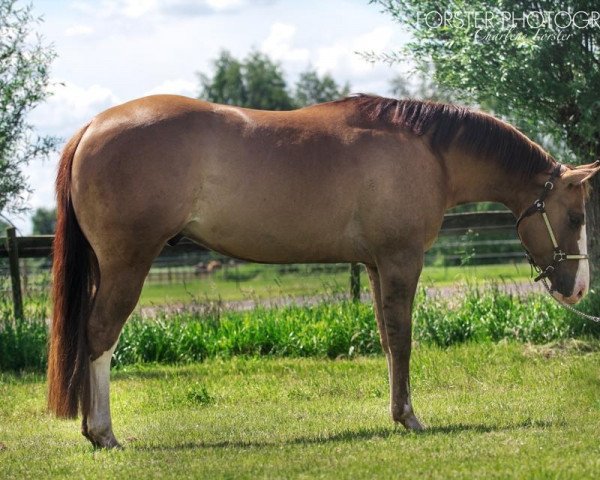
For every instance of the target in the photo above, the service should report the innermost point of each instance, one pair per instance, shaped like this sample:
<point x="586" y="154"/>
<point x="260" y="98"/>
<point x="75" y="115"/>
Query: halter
<point x="539" y="206"/>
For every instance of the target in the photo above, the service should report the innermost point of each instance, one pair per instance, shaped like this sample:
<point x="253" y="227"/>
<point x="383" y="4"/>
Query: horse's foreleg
<point x="117" y="296"/>
<point x="398" y="278"/>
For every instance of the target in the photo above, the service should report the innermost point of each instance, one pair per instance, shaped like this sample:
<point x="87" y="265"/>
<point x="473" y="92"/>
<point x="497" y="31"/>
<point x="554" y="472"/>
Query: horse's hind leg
<point x="119" y="291"/>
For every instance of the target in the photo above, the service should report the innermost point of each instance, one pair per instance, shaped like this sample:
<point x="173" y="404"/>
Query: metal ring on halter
<point x="560" y="256"/>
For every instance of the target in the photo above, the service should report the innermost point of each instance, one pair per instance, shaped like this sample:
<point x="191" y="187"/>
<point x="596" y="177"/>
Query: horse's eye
<point x="575" y="220"/>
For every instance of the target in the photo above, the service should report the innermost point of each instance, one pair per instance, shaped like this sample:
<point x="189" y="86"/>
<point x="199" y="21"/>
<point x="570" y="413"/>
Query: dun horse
<point x="363" y="179"/>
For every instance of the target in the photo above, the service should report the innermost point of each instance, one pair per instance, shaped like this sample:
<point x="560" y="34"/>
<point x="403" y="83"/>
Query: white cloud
<point x="221" y="5"/>
<point x="279" y="44"/>
<point x="117" y="8"/>
<point x="78" y="31"/>
<point x="341" y="55"/>
<point x="136" y="9"/>
<point x="71" y="106"/>
<point x="178" y="86"/>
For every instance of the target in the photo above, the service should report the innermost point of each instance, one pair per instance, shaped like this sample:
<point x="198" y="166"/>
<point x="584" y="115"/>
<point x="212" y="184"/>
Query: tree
<point x="3" y="227"/>
<point x="44" y="221"/>
<point x="266" y="88"/>
<point x="521" y="59"/>
<point x="420" y="85"/>
<point x="24" y="81"/>
<point x="311" y="89"/>
<point x="256" y="82"/>
<point x="227" y="84"/>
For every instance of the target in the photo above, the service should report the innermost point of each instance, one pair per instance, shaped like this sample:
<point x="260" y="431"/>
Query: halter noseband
<point x="539" y="206"/>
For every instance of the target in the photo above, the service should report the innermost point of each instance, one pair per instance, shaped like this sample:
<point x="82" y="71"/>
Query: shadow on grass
<point x="349" y="436"/>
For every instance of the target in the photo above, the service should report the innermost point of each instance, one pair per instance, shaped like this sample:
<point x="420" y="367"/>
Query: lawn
<point x="502" y="410"/>
<point x="265" y="281"/>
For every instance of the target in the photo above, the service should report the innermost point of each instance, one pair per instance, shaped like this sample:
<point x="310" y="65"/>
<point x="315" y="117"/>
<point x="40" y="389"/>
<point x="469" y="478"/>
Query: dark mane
<point x="475" y="132"/>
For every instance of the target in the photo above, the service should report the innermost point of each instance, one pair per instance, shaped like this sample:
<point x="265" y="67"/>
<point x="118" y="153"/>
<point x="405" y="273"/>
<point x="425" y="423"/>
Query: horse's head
<point x="553" y="231"/>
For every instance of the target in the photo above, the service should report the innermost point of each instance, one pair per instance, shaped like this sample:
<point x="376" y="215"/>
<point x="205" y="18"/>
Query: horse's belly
<point x="273" y="239"/>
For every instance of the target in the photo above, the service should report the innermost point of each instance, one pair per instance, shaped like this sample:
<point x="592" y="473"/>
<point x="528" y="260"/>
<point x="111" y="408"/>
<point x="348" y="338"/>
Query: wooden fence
<point x="457" y="225"/>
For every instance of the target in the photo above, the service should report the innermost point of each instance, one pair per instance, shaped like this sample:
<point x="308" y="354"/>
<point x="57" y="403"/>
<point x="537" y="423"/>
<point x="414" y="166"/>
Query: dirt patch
<point x="449" y="291"/>
<point x="562" y="347"/>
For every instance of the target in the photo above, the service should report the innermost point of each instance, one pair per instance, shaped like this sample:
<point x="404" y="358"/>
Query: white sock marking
<point x="99" y="417"/>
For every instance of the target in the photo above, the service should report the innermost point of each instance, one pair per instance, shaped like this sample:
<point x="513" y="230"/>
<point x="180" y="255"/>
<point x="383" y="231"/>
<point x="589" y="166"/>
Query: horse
<point x="362" y="179"/>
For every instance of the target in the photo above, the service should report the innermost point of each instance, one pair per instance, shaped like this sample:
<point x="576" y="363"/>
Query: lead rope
<point x="569" y="307"/>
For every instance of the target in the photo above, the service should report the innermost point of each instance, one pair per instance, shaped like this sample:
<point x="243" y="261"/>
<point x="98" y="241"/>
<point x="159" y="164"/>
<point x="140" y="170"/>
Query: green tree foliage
<point x="3" y="227"/>
<point x="227" y="84"/>
<point x="44" y="221"/>
<point x="258" y="82"/>
<point x="24" y="79"/>
<point x="546" y="80"/>
<point x="311" y="89"/>
<point x="265" y="84"/>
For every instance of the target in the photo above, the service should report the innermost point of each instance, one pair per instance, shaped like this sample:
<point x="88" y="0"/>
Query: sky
<point x="111" y="51"/>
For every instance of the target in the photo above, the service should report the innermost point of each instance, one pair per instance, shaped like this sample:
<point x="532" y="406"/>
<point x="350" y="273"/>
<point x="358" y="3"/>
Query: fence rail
<point x="40" y="246"/>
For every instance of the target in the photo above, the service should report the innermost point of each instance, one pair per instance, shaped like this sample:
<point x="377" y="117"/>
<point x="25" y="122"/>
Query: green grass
<point x="327" y="329"/>
<point x="495" y="411"/>
<point x="265" y="281"/>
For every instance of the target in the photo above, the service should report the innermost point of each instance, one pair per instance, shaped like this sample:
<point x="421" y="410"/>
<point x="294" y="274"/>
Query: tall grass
<point x="23" y="343"/>
<point x="328" y="329"/>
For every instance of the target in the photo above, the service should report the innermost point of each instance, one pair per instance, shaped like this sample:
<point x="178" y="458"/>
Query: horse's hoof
<point x="110" y="444"/>
<point x="102" y="441"/>
<point x="106" y="444"/>
<point x="408" y="419"/>
<point x="411" y="423"/>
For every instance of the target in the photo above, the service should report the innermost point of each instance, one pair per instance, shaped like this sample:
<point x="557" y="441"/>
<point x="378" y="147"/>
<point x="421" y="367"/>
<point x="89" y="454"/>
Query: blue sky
<point x="111" y="51"/>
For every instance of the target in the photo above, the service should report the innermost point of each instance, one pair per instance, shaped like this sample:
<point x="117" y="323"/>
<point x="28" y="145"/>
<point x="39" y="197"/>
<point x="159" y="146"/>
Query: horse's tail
<point x="75" y="277"/>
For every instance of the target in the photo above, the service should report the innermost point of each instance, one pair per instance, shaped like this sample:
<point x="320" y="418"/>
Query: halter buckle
<point x="545" y="274"/>
<point x="539" y="205"/>
<point x="549" y="185"/>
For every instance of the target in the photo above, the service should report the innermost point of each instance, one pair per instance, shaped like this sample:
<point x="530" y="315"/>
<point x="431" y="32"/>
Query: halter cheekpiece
<point x="539" y="206"/>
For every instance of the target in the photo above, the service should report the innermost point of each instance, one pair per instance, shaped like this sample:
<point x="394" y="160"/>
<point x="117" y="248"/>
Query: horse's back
<point x="304" y="185"/>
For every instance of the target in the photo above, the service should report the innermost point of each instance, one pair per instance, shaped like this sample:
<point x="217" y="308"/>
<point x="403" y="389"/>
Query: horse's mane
<point x="477" y="133"/>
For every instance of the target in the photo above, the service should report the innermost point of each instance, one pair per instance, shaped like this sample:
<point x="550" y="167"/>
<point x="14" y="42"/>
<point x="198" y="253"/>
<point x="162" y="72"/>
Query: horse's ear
<point x="589" y="165"/>
<point x="582" y="174"/>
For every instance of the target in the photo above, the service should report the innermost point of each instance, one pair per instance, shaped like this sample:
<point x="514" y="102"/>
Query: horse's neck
<point x="474" y="180"/>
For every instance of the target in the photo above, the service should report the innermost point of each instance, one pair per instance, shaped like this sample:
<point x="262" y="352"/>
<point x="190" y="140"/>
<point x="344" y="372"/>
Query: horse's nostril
<point x="581" y="293"/>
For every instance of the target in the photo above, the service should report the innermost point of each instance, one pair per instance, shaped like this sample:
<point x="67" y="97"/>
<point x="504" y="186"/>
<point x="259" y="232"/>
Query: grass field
<point x="495" y="411"/>
<point x="264" y="281"/>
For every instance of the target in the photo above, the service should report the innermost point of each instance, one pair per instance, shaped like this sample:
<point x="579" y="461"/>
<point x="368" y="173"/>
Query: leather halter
<point x="539" y="206"/>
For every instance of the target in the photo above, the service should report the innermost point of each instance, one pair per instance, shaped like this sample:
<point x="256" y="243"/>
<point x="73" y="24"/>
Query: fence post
<point x="355" y="282"/>
<point x="12" y="246"/>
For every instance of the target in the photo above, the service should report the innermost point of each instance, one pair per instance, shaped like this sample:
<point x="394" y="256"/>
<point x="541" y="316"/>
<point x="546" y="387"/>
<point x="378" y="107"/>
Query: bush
<point x="328" y="329"/>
